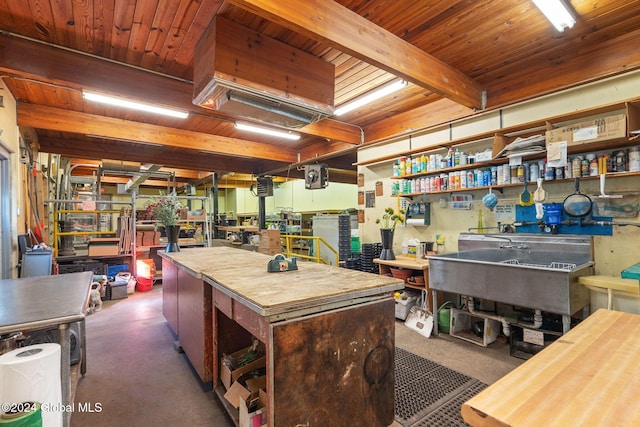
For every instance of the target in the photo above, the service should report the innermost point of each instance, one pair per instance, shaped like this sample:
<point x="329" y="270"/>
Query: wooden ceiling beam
<point x="114" y="180"/>
<point x="329" y="22"/>
<point x="88" y="124"/>
<point x="179" y="173"/>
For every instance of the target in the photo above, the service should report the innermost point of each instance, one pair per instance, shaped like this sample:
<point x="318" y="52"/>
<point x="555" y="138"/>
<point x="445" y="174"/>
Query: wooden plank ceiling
<point x="450" y="52"/>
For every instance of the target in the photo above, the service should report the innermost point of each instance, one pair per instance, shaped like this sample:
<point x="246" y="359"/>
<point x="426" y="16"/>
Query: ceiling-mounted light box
<point x="242" y="72"/>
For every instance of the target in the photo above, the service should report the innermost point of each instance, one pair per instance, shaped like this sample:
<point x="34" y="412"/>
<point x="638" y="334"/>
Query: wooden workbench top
<point x="588" y="377"/>
<point x="243" y="274"/>
<point x="403" y="261"/>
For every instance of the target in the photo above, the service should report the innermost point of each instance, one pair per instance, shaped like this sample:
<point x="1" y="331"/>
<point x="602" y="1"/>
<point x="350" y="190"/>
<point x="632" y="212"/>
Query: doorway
<point x="5" y="214"/>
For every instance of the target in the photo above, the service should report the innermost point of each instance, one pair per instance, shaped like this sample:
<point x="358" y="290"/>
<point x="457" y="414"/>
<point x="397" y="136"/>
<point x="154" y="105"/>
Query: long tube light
<point x="374" y="95"/>
<point x="268" y="131"/>
<point x="121" y="102"/>
<point x="557" y="13"/>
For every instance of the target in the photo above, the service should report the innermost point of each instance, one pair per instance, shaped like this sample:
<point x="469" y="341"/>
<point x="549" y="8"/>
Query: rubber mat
<point x="430" y="394"/>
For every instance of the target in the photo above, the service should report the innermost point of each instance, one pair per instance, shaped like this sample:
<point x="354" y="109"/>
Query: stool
<point x="609" y="284"/>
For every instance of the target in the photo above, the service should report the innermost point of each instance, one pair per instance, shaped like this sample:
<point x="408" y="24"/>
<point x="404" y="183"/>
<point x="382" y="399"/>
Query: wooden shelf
<point x="520" y="184"/>
<point x="503" y="136"/>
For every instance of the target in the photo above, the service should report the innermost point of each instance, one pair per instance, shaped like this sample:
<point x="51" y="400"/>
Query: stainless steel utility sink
<point x="534" y="271"/>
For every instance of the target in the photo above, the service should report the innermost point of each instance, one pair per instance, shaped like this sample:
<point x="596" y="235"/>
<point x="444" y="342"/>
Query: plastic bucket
<point x="444" y="316"/>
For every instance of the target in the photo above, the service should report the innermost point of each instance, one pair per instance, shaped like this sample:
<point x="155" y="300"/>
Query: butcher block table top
<point x="405" y="262"/>
<point x="243" y="275"/>
<point x="588" y="377"/>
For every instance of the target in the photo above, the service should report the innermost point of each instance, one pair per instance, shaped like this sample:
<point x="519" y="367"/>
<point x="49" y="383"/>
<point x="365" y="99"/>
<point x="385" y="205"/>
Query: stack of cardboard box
<point x="269" y="242"/>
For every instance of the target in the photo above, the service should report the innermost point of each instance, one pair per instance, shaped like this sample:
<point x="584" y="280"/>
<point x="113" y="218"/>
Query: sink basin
<point x="517" y="258"/>
<point x="542" y="275"/>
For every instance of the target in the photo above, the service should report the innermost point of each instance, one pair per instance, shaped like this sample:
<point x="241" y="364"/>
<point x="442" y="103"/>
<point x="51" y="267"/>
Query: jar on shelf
<point x="593" y="165"/>
<point x="634" y="159"/>
<point x="534" y="172"/>
<point x="549" y="172"/>
<point x="621" y="161"/>
<point x="584" y="168"/>
<point x="506" y="174"/>
<point x="576" y="166"/>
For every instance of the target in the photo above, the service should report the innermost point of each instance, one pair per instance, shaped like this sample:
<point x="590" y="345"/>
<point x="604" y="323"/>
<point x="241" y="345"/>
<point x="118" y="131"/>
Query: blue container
<point x="112" y="270"/>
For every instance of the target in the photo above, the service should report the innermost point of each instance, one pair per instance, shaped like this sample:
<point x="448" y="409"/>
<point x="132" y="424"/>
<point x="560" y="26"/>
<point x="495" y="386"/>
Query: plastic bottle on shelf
<point x="520" y="173"/>
<point x="593" y="165"/>
<point x="456" y="157"/>
<point x="423" y="163"/>
<point x="395" y="187"/>
<point x="409" y="166"/>
<point x="463" y="179"/>
<point x="402" y="169"/>
<point x="463" y="158"/>
<point x="506" y="174"/>
<point x="450" y="157"/>
<point x="534" y="172"/>
<point x="470" y="179"/>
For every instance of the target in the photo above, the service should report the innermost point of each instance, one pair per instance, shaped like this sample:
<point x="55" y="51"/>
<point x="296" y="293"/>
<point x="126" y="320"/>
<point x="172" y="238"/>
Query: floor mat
<point x="430" y="394"/>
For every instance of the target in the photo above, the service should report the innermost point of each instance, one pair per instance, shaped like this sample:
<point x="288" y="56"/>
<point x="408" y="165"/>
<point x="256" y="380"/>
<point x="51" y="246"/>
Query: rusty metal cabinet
<point x="170" y="294"/>
<point x="186" y="304"/>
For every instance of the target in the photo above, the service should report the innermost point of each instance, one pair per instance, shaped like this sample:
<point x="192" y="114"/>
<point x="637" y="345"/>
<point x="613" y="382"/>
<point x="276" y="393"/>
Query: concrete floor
<point x="137" y="378"/>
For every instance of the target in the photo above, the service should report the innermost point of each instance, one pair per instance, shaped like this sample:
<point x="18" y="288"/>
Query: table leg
<point x="83" y="347"/>
<point x="435" y="312"/>
<point x="65" y="371"/>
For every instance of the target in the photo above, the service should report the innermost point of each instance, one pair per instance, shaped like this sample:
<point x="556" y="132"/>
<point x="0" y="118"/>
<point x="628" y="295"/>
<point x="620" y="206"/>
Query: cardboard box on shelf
<point x="598" y="130"/>
<point x="103" y="246"/>
<point x="253" y="406"/>
<point x="228" y="376"/>
<point x="236" y="394"/>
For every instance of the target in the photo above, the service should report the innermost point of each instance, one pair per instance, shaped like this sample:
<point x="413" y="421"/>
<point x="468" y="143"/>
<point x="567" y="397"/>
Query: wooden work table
<point x="328" y="332"/>
<point x="588" y="377"/>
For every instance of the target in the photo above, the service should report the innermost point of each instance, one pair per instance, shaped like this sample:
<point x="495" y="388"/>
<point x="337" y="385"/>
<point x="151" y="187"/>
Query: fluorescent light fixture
<point x="121" y="102"/>
<point x="374" y="95"/>
<point x="268" y="131"/>
<point x="556" y="12"/>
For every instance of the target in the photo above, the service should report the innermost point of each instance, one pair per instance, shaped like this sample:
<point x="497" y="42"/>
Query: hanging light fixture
<point x="557" y="13"/>
<point x="268" y="131"/>
<point x="368" y="98"/>
<point x="134" y="105"/>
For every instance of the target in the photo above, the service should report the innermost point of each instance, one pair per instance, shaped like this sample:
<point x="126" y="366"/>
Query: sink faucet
<point x="510" y="245"/>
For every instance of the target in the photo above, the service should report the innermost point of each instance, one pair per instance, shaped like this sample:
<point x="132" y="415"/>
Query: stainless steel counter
<point x="42" y="301"/>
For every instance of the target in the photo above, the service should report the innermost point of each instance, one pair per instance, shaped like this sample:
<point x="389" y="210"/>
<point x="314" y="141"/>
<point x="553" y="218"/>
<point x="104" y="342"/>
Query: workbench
<point x="328" y="332"/>
<point x="588" y="377"/>
<point x="43" y="301"/>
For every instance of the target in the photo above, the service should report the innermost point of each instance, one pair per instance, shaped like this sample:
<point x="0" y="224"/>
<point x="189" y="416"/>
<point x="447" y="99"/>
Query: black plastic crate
<point x="97" y="268"/>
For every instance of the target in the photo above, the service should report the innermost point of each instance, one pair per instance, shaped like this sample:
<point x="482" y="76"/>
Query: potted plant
<point x="388" y="224"/>
<point x="166" y="210"/>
